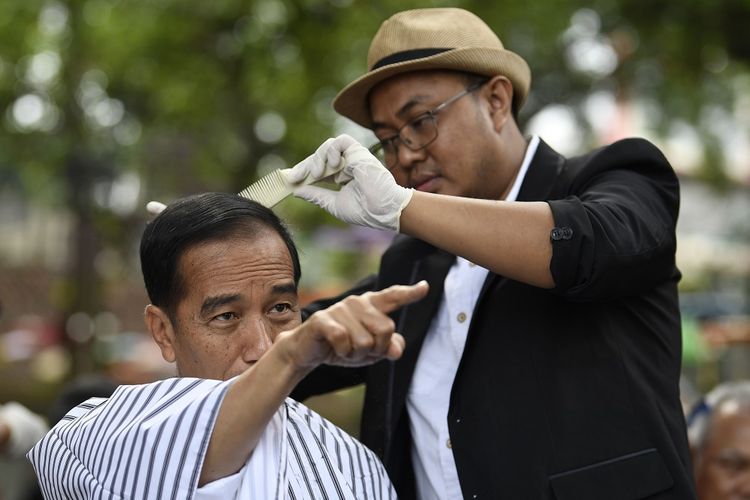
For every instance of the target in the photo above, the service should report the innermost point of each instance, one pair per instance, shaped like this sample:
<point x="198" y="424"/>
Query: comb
<point x="270" y="189"/>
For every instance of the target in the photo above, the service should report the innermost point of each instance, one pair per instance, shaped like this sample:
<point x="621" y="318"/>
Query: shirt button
<point x="448" y="443"/>
<point x="461" y="317"/>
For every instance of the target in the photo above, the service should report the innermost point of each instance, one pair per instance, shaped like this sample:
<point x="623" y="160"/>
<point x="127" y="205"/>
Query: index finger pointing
<point x="395" y="296"/>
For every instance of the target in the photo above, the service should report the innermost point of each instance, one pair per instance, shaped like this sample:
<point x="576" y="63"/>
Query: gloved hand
<point x="314" y="167"/>
<point x="369" y="195"/>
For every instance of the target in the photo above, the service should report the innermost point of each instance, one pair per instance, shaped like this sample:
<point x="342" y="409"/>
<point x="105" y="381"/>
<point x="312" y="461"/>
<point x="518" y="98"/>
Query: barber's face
<point x="239" y="295"/>
<point x="464" y="158"/>
<point x="723" y="472"/>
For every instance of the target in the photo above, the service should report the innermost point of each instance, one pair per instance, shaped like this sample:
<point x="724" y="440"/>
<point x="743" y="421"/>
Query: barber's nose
<point x="408" y="158"/>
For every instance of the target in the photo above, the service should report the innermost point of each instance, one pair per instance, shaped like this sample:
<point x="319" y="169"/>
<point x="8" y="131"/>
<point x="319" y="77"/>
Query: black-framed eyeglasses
<point x="418" y="133"/>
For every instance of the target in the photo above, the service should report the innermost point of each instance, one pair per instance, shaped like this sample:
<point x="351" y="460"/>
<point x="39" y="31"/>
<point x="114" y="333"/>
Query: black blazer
<point x="570" y="393"/>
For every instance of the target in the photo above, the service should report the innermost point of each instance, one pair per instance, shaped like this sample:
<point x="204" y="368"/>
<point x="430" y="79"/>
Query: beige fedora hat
<point x="438" y="38"/>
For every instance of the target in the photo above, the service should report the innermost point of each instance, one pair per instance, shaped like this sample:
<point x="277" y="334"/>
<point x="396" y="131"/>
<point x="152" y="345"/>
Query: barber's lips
<point x="428" y="184"/>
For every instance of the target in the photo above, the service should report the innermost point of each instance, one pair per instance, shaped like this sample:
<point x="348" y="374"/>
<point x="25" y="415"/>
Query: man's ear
<point x="161" y="329"/>
<point x="500" y="97"/>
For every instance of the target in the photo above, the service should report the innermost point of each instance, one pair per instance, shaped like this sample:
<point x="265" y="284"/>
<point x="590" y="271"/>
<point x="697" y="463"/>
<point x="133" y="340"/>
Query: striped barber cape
<point x="149" y="441"/>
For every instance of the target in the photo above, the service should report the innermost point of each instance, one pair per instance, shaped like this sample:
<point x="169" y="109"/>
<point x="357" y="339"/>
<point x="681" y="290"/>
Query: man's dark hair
<point x="194" y="220"/>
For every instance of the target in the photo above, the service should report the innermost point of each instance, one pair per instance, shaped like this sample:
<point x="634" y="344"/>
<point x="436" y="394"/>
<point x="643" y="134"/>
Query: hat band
<point x="406" y="55"/>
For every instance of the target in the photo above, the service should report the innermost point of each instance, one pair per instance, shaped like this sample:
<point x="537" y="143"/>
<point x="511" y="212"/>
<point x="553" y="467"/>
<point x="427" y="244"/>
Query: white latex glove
<point x="369" y="195"/>
<point x="314" y="166"/>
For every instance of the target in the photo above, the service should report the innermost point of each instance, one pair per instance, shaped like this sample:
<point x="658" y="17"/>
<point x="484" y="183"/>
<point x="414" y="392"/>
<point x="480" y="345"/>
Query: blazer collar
<point x="543" y="171"/>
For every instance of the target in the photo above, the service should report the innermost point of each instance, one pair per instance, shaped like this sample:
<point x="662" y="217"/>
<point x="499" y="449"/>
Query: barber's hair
<point x="197" y="219"/>
<point x="700" y="418"/>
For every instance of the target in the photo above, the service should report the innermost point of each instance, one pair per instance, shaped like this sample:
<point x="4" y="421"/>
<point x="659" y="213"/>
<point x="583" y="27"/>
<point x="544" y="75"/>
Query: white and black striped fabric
<point x="149" y="441"/>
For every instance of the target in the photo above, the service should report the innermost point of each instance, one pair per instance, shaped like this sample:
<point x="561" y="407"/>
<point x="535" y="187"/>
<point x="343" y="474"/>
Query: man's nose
<point x="257" y="340"/>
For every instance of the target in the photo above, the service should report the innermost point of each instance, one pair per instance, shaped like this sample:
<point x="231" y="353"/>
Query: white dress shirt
<point x="428" y="397"/>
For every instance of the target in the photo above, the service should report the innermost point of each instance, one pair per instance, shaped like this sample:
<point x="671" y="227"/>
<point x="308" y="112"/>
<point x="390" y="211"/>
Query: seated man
<point x="719" y="431"/>
<point x="221" y="273"/>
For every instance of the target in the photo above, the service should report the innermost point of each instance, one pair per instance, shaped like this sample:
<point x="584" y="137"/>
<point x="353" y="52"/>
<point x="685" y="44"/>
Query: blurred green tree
<point x="109" y="103"/>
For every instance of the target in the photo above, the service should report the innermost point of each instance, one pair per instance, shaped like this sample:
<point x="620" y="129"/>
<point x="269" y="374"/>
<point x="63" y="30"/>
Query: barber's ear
<point x="160" y="327"/>
<point x="500" y="96"/>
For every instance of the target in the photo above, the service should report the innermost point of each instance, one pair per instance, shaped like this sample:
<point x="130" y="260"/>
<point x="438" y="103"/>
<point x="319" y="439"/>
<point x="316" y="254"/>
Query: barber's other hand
<point x="356" y="331"/>
<point x="369" y="195"/>
<point x="155" y="207"/>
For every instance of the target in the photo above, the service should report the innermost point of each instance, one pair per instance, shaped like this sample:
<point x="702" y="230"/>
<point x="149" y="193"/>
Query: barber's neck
<point x="513" y="152"/>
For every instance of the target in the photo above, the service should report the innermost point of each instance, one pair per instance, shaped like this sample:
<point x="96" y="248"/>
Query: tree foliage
<point x="177" y="96"/>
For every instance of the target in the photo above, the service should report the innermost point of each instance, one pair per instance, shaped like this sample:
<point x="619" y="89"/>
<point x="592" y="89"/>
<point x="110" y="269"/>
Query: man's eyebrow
<point x="284" y="288"/>
<point x="405" y="109"/>
<point x="211" y="303"/>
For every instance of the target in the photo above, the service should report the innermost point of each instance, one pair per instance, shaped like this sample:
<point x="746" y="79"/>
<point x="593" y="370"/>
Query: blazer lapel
<point x="415" y="320"/>
<point x="542" y="173"/>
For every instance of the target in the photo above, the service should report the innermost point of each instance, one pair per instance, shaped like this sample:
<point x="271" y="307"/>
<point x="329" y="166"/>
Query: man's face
<point x="465" y="158"/>
<point x="723" y="471"/>
<point x="239" y="294"/>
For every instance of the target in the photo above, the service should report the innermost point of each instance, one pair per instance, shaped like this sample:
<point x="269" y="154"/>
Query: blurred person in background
<point x="20" y="429"/>
<point x="79" y="390"/>
<point x="545" y="361"/>
<point x="719" y="430"/>
<point x="222" y="273"/>
<point x="73" y="393"/>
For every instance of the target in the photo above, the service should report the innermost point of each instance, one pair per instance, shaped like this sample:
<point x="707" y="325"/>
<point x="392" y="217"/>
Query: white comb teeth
<point x="269" y="189"/>
<point x="274" y="187"/>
